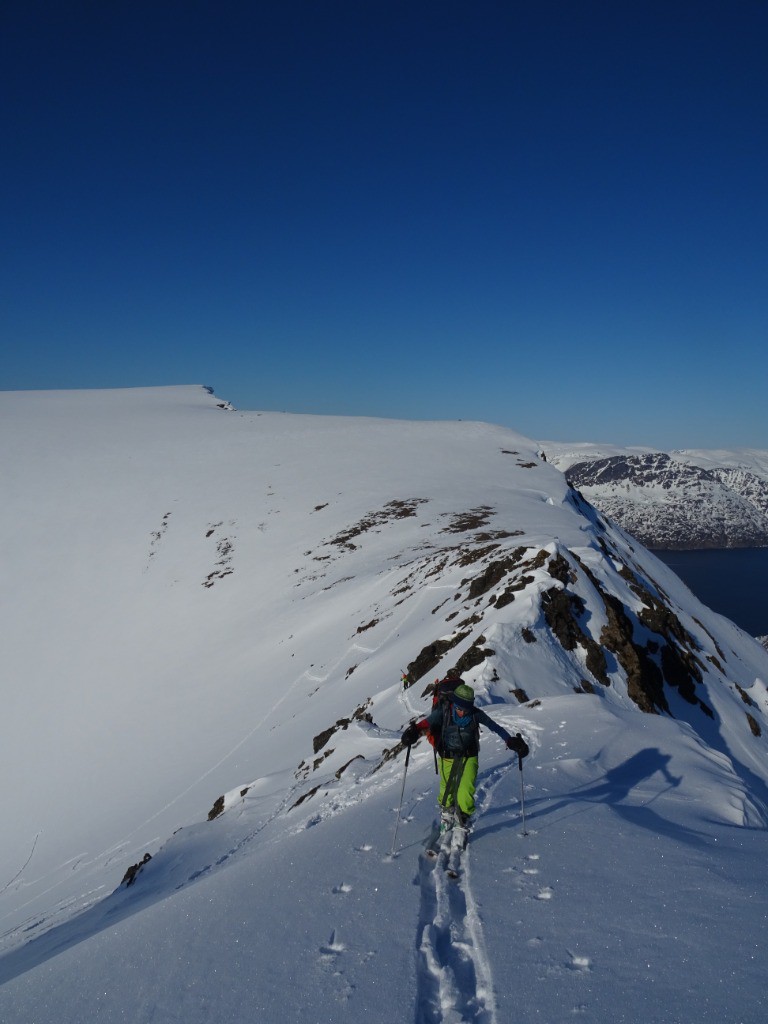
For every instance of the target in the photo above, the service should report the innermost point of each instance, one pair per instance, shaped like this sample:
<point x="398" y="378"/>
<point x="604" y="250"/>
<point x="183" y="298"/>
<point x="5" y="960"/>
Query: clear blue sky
<point x="549" y="214"/>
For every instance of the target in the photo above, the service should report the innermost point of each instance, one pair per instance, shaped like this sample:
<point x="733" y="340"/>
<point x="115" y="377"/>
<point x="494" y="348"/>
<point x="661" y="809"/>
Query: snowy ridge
<point x="683" y="499"/>
<point x="230" y="601"/>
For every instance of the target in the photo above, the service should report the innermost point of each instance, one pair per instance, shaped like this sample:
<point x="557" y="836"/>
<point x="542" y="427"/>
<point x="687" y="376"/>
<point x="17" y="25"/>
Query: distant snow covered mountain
<point x="677" y="500"/>
<point x="215" y="625"/>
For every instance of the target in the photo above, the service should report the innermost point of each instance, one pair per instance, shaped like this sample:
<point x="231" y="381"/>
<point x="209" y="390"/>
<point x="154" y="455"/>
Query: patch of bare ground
<point x="398" y="508"/>
<point x="473" y="519"/>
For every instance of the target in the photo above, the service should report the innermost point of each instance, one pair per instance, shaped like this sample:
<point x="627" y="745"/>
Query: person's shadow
<point x="615" y="788"/>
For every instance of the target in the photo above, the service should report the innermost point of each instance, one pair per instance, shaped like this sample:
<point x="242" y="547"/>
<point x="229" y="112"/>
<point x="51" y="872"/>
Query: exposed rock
<point x="559" y="568"/>
<point x="562" y="610"/>
<point x="305" y="796"/>
<point x="508" y="594"/>
<point x="745" y="696"/>
<point x="217" y="809"/>
<point x="340" y="772"/>
<point x="396" y="509"/>
<point x="494" y="573"/>
<point x="645" y="682"/>
<point x="386" y="755"/>
<point x="429" y="656"/>
<point x="359" y="714"/>
<point x="135" y="869"/>
<point x="476" y="655"/>
<point x="474" y="519"/>
<point x="322" y="738"/>
<point x="667" y="656"/>
<point x="471" y="553"/>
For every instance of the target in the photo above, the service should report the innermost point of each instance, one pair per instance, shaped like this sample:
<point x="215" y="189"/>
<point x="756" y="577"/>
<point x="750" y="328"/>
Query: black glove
<point x="518" y="744"/>
<point x="410" y="735"/>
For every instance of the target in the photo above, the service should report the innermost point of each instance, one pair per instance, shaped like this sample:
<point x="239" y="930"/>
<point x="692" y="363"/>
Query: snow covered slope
<point x="209" y="613"/>
<point x="676" y="500"/>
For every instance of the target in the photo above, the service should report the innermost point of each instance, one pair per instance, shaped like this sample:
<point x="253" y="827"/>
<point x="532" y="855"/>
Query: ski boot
<point x="461" y="831"/>
<point x="447" y="820"/>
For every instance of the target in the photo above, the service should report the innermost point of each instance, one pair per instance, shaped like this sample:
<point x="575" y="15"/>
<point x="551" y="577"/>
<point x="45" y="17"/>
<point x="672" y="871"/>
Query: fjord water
<point x="732" y="582"/>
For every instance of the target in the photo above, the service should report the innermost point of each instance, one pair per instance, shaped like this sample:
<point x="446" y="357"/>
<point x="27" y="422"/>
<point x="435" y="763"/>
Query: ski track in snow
<point x="454" y="981"/>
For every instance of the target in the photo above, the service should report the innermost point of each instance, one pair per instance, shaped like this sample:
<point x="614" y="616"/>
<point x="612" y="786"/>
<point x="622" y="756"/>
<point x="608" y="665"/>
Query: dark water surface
<point x="733" y="582"/>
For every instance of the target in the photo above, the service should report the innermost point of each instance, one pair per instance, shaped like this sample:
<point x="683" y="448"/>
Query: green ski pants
<point x="464" y="787"/>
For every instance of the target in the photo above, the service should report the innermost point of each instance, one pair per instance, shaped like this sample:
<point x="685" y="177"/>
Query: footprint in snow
<point x="333" y="947"/>
<point x="580" y="964"/>
<point x="365" y="848"/>
<point x="345" y="992"/>
<point x="342" y="888"/>
<point x="545" y="894"/>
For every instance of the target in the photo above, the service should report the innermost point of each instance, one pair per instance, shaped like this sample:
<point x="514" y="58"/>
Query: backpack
<point x="442" y="694"/>
<point x="442" y="691"/>
<point x="442" y="697"/>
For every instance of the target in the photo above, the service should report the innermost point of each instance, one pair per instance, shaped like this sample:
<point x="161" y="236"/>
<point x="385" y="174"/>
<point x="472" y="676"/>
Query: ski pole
<point x="522" y="791"/>
<point x="400" y="805"/>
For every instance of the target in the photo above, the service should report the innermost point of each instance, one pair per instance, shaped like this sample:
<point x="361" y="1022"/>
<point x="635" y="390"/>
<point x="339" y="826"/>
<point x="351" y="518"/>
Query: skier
<point x="454" y="729"/>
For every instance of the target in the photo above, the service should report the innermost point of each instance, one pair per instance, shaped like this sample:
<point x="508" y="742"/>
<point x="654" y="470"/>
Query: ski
<point x="432" y="846"/>
<point x="458" y="845"/>
<point x="453" y="866"/>
<point x="447" y="848"/>
<point x="442" y="848"/>
<point x="438" y="843"/>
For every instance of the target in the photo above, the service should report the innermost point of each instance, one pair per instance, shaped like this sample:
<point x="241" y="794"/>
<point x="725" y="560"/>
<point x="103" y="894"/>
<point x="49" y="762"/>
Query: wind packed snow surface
<point x="209" y="611"/>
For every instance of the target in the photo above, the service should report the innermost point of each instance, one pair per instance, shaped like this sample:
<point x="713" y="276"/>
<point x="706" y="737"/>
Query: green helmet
<point x="464" y="694"/>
